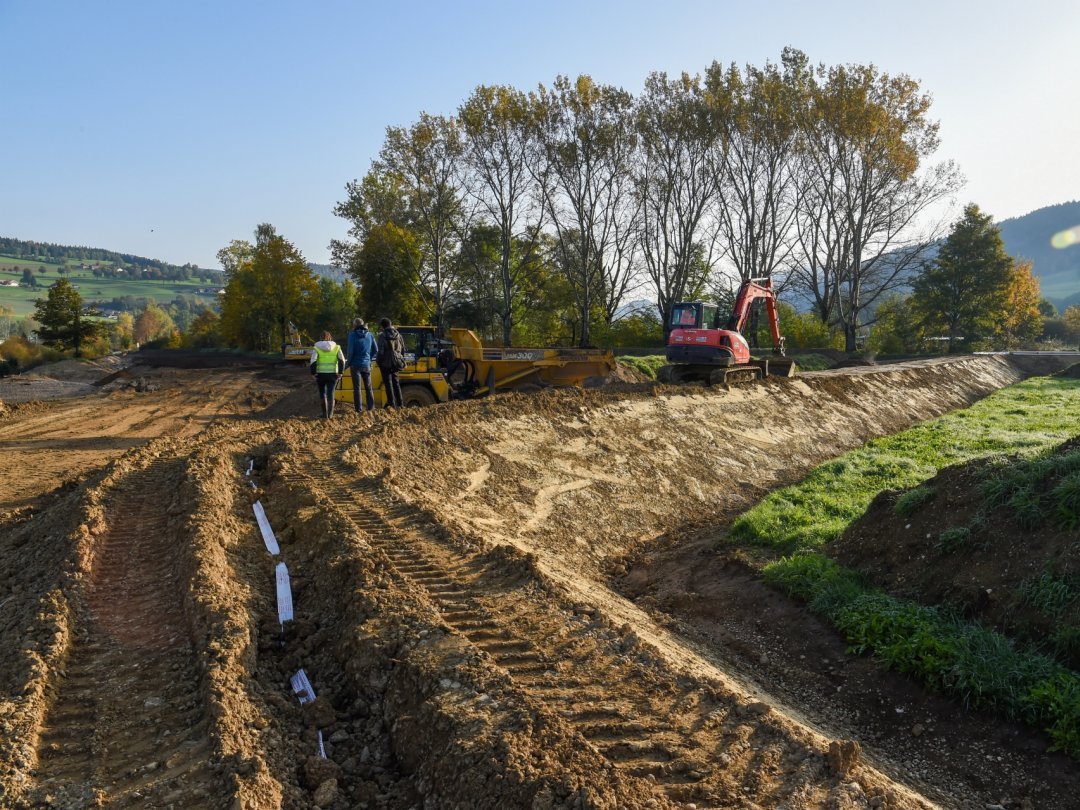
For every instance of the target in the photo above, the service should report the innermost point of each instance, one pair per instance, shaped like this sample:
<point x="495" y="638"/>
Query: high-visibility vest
<point x="327" y="360"/>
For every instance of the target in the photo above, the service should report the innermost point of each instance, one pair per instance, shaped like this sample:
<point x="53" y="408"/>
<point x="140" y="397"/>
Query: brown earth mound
<point x="949" y="548"/>
<point x="450" y="574"/>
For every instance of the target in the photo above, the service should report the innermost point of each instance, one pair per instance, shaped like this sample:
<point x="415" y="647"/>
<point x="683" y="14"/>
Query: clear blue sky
<point x="167" y="129"/>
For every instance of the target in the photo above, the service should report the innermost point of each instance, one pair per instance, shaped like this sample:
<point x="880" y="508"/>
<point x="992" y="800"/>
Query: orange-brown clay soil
<point x="502" y="603"/>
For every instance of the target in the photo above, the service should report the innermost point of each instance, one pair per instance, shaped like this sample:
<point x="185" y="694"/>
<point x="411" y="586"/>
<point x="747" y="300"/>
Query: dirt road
<point x="504" y="603"/>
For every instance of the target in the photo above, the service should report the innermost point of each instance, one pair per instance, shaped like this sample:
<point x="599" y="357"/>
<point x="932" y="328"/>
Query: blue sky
<point x="167" y="129"/>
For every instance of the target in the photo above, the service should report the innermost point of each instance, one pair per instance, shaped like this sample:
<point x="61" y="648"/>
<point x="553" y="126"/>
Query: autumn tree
<point x="385" y="270"/>
<point x="1023" y="320"/>
<point x="204" y="331"/>
<point x="586" y="147"/>
<point x="335" y="307"/>
<point x="865" y="187"/>
<point x="962" y="293"/>
<point x="756" y="114"/>
<point x="65" y="322"/>
<point x="1071" y="317"/>
<point x="426" y="159"/>
<point x="269" y="285"/>
<point x="495" y="122"/>
<point x="153" y="323"/>
<point x="675" y="179"/>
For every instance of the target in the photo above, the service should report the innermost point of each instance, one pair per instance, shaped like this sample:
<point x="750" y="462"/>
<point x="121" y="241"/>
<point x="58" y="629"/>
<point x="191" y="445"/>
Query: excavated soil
<point x="502" y="603"/>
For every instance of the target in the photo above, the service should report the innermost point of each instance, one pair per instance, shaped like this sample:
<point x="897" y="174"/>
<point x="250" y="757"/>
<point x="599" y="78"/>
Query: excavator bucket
<point x="781" y="367"/>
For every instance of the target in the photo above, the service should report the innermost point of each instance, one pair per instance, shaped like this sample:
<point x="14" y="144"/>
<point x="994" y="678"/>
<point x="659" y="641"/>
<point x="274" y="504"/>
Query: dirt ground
<point x="502" y="603"/>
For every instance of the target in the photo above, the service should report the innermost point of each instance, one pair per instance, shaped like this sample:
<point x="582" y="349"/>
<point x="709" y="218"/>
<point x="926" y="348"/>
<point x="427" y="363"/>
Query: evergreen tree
<point x="65" y="321"/>
<point x="963" y="293"/>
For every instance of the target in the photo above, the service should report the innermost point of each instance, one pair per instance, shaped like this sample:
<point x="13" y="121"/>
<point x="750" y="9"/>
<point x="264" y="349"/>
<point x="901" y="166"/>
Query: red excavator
<point x="699" y="350"/>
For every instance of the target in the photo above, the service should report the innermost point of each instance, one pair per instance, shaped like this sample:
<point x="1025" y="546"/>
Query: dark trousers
<point x="392" y="386"/>
<point x="326" y="384"/>
<point x="364" y="374"/>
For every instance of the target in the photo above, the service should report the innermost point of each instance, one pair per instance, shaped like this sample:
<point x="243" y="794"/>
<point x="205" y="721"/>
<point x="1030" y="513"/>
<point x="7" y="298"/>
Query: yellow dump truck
<point x="461" y="368"/>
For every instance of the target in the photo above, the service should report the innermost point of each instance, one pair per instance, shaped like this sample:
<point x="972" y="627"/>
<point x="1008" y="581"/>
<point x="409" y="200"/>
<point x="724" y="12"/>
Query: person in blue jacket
<point x="360" y="356"/>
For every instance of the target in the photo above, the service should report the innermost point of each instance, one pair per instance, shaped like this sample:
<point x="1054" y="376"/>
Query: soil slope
<point x="465" y="607"/>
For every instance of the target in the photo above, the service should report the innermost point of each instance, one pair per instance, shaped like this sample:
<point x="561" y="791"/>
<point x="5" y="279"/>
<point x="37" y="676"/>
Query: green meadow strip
<point x="1031" y="417"/>
<point x="983" y="668"/>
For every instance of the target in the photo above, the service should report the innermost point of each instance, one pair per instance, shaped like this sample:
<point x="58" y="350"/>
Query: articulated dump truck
<point x="461" y="368"/>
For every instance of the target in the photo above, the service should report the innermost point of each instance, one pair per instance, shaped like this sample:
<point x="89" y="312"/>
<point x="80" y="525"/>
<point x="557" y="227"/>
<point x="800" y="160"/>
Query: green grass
<point x="21" y="299"/>
<point x="984" y="669"/>
<point x="980" y="667"/>
<point x="646" y="365"/>
<point x="812" y="362"/>
<point x="1030" y="417"/>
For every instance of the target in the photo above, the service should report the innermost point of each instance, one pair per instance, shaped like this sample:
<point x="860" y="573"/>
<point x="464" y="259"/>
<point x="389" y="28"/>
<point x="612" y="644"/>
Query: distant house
<point x="10" y="283"/>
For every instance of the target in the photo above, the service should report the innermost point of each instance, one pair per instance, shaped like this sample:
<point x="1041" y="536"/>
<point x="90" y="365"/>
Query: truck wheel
<point x="416" y="396"/>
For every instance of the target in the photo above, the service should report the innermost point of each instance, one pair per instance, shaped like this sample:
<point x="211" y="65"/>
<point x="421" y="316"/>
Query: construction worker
<point x="327" y="364"/>
<point x="362" y="352"/>
<point x="391" y="360"/>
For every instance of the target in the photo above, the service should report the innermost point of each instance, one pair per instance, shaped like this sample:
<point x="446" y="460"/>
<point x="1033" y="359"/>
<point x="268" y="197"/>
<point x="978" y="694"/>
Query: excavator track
<point x="566" y="657"/>
<point x="133" y="668"/>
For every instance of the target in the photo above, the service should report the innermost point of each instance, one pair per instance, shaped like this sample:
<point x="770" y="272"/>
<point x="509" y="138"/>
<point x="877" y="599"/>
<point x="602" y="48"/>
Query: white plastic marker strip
<point x="284" y="595"/>
<point x="251" y="466"/>
<point x="264" y="527"/>
<point x="252" y="484"/>
<point x="322" y="748"/>
<point x="302" y="687"/>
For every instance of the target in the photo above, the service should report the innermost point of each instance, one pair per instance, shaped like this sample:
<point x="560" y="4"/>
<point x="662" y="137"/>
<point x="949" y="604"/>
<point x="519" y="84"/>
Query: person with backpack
<point x="327" y="364"/>
<point x="361" y="352"/>
<point x="391" y="360"/>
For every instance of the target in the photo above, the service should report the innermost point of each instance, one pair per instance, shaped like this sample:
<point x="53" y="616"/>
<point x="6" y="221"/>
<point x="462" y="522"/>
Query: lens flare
<point x="1065" y="238"/>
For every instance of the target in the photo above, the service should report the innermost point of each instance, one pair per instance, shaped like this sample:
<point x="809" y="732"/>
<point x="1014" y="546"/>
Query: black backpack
<point x="396" y="358"/>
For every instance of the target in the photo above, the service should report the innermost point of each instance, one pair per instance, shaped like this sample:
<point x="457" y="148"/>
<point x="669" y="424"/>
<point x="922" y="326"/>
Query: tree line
<point x="119" y="263"/>
<point x="569" y="201"/>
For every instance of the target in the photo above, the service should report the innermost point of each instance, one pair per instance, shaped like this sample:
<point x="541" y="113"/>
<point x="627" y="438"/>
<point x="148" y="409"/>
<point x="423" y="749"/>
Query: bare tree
<point x="676" y="182"/>
<point x="757" y="173"/>
<point x="861" y="232"/>
<point x="584" y="148"/>
<point x="495" y="122"/>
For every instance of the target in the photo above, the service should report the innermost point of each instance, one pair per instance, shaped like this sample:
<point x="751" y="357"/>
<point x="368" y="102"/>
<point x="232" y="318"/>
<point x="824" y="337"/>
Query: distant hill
<point x="1028" y="237"/>
<point x="328" y="271"/>
<point x="61" y="255"/>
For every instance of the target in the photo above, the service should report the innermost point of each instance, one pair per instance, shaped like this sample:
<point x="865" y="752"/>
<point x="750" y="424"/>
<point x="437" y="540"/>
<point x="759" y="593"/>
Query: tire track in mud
<point x="675" y="732"/>
<point x="127" y="728"/>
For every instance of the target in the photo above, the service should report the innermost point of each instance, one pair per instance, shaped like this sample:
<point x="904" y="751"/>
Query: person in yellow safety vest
<point x="327" y="364"/>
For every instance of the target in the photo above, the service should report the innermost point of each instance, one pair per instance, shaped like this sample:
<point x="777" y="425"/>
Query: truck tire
<point x="416" y="396"/>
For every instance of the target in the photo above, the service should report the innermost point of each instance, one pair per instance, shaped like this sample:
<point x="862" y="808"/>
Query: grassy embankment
<point x="981" y="667"/>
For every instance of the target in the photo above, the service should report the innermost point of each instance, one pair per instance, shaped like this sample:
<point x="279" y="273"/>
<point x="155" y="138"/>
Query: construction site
<point x="211" y="598"/>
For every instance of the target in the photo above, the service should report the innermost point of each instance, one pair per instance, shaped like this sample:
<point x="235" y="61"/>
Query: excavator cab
<point x="695" y="315"/>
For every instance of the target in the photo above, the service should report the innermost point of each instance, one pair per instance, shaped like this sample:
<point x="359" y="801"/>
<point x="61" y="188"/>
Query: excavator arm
<point x="753" y="290"/>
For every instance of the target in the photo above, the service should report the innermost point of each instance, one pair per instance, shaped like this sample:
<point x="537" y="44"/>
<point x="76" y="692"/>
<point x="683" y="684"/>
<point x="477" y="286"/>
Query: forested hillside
<point x="1058" y="269"/>
<point x="107" y="260"/>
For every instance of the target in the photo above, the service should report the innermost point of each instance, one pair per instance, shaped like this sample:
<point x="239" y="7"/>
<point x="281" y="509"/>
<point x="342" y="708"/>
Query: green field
<point x="21" y="299"/>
